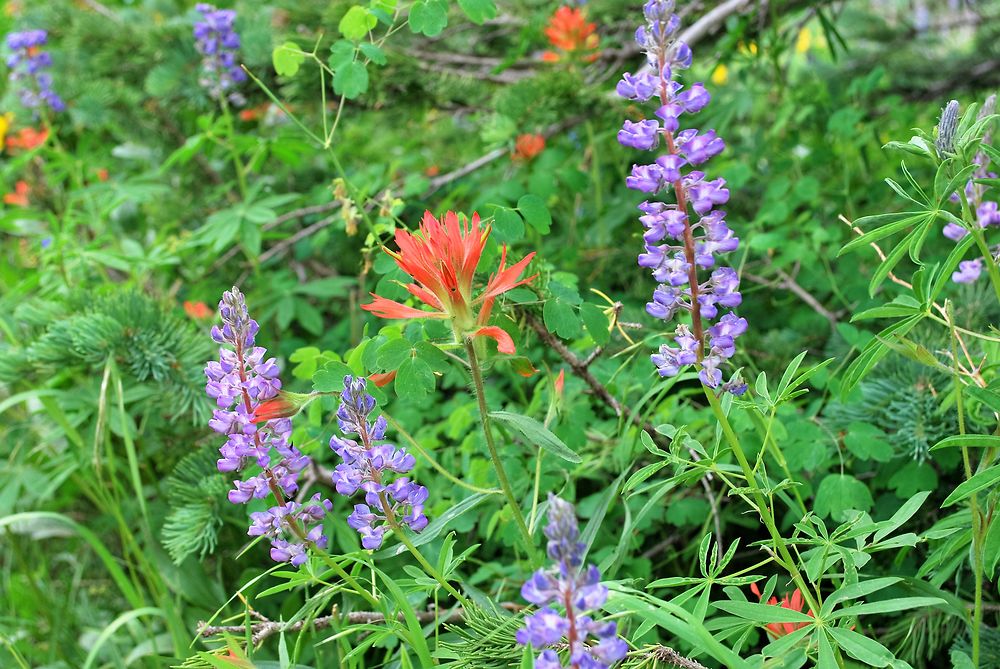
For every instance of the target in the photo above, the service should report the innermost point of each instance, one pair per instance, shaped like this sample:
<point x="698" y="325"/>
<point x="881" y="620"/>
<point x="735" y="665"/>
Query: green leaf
<point x="764" y="613"/>
<point x="287" y="59"/>
<point x="912" y="478"/>
<point x="392" y="353"/>
<point x="904" y="513"/>
<point x="341" y="53"/>
<point x="330" y="379"/>
<point x="356" y="23"/>
<point x="478" y="11"/>
<point x="436" y="526"/>
<point x="856" y="590"/>
<point x="374" y="53"/>
<point x="861" y="647"/>
<point x="889" y="606"/>
<point x="596" y="322"/>
<point x="980" y="481"/>
<point x="535" y="212"/>
<point x="561" y="319"/>
<point x="351" y="80"/>
<point x="889" y="225"/>
<point x="414" y="379"/>
<point x="868" y="442"/>
<point x="991" y="547"/>
<point x="827" y="660"/>
<point x="838" y="493"/>
<point x="428" y="17"/>
<point x="968" y="441"/>
<point x="536" y="433"/>
<point x="507" y="225"/>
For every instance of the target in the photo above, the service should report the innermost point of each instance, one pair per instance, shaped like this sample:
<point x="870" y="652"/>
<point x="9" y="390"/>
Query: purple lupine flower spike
<point x="987" y="211"/>
<point x="693" y="238"/>
<point x="239" y="382"/>
<point x="366" y="465"/>
<point x="578" y="592"/>
<point x="28" y="64"/>
<point x="218" y="43"/>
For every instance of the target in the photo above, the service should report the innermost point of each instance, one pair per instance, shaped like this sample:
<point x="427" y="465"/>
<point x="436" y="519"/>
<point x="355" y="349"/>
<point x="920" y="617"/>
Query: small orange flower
<point x="27" y="138"/>
<point x="432" y="171"/>
<point x="560" y="382"/>
<point x="528" y="146"/>
<point x="793" y="603"/>
<point x="569" y="32"/>
<point x="19" y="198"/>
<point x="442" y="259"/>
<point x="254" y="113"/>
<point x="102" y="174"/>
<point x="197" y="310"/>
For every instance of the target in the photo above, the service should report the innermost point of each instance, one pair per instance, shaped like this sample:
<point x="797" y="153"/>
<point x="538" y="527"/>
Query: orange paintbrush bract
<point x="26" y="139"/>
<point x="19" y="198"/>
<point x="569" y="31"/>
<point x="528" y="146"/>
<point x="442" y="260"/>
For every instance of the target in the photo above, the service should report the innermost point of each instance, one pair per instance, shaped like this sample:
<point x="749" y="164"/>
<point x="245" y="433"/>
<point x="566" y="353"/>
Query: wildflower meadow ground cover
<point x="489" y="334"/>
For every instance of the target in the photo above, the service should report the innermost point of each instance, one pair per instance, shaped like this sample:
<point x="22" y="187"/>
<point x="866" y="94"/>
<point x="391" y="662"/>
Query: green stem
<point x="348" y="579"/>
<point x="484" y="417"/>
<point x="780" y="457"/>
<point x="786" y="559"/>
<point x="241" y="175"/>
<point x="977" y="529"/>
<point x="390" y="518"/>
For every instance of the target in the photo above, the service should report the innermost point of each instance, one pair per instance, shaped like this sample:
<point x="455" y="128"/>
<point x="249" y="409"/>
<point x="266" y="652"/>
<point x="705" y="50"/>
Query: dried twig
<point x="301" y="234"/>
<point x="669" y="656"/>
<point x="468" y="168"/>
<point x="261" y="630"/>
<point x="788" y="282"/>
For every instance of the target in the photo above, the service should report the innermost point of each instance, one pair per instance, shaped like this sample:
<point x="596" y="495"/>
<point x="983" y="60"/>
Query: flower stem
<point x="977" y="520"/>
<point x="348" y="579"/>
<point x="390" y="519"/>
<point x="484" y="418"/>
<point x="786" y="559"/>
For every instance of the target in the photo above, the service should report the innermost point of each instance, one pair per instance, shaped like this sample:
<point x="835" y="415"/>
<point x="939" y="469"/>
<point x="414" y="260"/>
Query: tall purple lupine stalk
<point x="218" y="43"/>
<point x="577" y="591"/>
<point x="987" y="211"/>
<point x="366" y="465"/>
<point x="28" y="64"/>
<point x="691" y="244"/>
<point x="239" y="382"/>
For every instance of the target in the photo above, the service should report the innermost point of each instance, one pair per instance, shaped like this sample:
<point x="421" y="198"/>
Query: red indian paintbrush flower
<point x="793" y="603"/>
<point x="442" y="259"/>
<point x="569" y="31"/>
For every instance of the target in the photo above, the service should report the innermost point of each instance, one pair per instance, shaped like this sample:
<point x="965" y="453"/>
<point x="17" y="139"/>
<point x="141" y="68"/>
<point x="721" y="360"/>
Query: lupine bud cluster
<point x="682" y="237"/>
<point x="239" y="382"/>
<point x="578" y="591"/>
<point x="28" y="65"/>
<point x="365" y="467"/>
<point x="987" y="211"/>
<point x="218" y="43"/>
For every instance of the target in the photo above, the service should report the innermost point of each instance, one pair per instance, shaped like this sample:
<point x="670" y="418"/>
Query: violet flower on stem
<point x="577" y="592"/>
<point x="682" y="237"/>
<point x="239" y="382"/>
